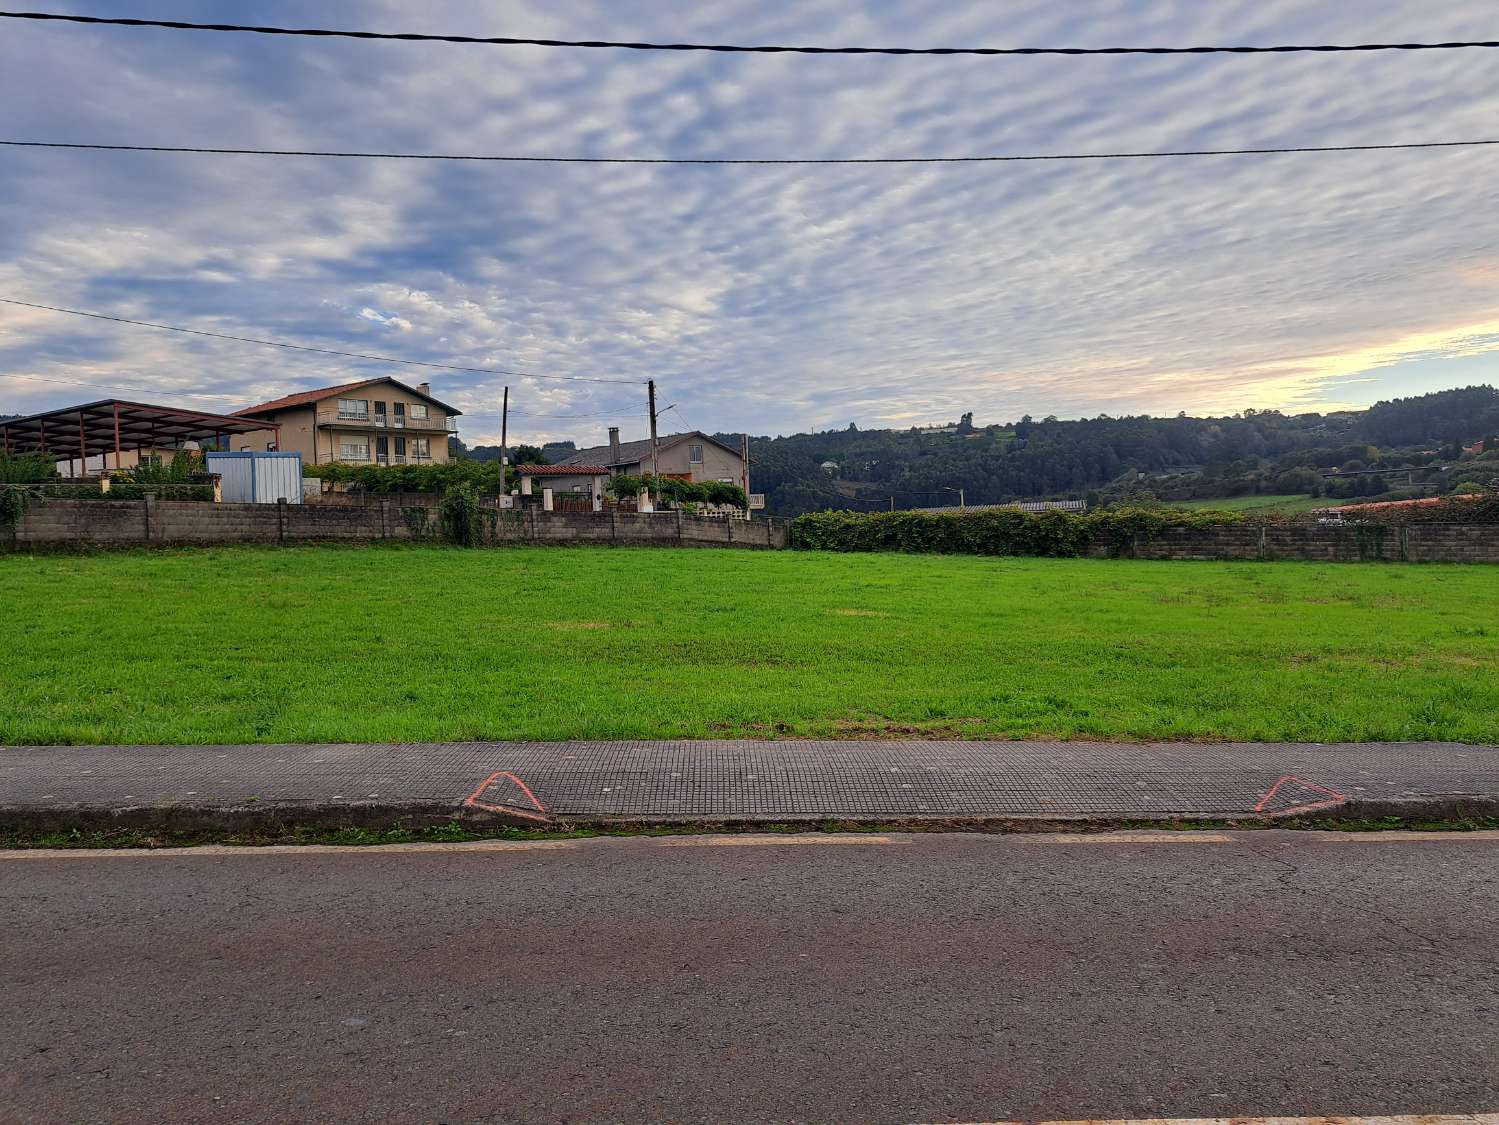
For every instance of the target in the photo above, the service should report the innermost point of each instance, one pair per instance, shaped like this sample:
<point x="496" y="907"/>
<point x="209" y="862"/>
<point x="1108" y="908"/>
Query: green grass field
<point x="395" y="644"/>
<point x="1284" y="505"/>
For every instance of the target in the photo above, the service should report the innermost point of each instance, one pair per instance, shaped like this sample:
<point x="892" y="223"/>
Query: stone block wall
<point x="86" y="523"/>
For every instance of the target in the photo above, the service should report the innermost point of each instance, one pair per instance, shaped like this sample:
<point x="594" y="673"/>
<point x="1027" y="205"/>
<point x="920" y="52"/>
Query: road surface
<point x="824" y="978"/>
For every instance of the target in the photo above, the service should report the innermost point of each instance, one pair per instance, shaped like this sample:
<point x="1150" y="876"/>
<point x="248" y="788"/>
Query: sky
<point x="762" y="299"/>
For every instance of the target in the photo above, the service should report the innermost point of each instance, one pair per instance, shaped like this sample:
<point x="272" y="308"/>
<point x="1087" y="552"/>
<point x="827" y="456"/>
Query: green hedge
<point x="483" y="476"/>
<point x="121" y="490"/>
<point x="681" y="491"/>
<point x="995" y="531"/>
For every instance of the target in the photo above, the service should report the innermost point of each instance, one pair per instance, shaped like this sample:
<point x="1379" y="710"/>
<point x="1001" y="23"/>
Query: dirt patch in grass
<point x="948" y="729"/>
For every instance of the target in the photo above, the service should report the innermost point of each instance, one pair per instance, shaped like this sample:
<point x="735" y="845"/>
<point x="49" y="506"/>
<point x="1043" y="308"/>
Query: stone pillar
<point x="546" y="499"/>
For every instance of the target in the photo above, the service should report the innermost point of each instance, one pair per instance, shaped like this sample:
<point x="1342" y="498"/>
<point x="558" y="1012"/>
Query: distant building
<point x="690" y="456"/>
<point x="372" y="422"/>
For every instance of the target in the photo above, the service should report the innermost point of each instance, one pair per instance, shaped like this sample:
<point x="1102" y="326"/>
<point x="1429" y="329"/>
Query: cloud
<point x="768" y="299"/>
<point x="397" y="322"/>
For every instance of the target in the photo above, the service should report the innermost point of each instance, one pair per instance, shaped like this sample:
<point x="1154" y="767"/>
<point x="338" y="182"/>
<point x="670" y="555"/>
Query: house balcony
<point x="338" y="419"/>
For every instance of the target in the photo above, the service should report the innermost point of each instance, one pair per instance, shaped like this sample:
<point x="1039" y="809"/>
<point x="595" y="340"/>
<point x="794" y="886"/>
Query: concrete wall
<point x="71" y="523"/>
<point x="84" y="523"/>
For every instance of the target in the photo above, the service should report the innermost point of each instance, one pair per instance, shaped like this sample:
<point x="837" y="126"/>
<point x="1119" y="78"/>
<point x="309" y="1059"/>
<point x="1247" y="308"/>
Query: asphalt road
<point x="928" y="978"/>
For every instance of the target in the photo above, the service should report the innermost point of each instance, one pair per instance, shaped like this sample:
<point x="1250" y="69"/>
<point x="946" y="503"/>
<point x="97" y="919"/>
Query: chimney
<point x="613" y="445"/>
<point x="425" y="388"/>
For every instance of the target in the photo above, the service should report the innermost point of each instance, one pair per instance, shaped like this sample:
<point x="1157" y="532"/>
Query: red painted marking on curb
<point x="1309" y="806"/>
<point x="473" y="801"/>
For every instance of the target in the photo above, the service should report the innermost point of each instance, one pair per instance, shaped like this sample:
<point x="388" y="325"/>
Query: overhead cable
<point x="731" y="48"/>
<point x="1001" y="158"/>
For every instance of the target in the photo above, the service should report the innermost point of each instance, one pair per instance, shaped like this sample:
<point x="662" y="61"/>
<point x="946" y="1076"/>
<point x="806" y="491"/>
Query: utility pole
<point x="504" y="450"/>
<point x="655" y="459"/>
<point x="892" y="503"/>
<point x="962" y="501"/>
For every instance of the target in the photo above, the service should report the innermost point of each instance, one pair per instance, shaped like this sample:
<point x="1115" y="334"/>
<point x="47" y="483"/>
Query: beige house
<point x="691" y="456"/>
<point x="374" y="422"/>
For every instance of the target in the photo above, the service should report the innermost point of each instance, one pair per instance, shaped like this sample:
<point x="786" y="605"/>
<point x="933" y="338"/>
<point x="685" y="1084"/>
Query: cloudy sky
<point x="763" y="299"/>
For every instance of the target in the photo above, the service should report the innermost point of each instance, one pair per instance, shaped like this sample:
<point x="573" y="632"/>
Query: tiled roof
<point x="304" y="398"/>
<point x="562" y="470"/>
<point x="632" y="452"/>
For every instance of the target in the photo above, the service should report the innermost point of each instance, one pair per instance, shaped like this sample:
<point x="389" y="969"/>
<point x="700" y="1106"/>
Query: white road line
<point x="284" y="850"/>
<point x="766" y="840"/>
<point x="1183" y="837"/>
<point x="1395" y="835"/>
<point x="1397" y="1119"/>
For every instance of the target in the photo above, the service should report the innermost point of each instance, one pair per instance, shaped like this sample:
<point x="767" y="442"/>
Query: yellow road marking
<point x="289" y="849"/>
<point x="766" y="840"/>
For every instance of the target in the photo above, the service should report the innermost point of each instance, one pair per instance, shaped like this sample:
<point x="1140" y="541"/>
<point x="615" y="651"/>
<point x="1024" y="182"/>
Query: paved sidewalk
<point x="741" y="781"/>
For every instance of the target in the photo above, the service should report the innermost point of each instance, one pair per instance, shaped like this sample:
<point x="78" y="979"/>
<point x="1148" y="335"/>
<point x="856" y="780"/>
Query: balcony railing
<point x="386" y="422"/>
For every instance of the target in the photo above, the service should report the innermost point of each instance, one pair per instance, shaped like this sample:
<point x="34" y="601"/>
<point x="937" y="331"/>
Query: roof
<point x="305" y="398"/>
<point x="90" y="429"/>
<point x="636" y="452"/>
<point x="562" y="470"/>
<point x="1385" y="505"/>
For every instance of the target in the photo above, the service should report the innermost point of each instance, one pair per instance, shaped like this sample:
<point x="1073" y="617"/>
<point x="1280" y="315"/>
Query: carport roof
<point x="114" y="424"/>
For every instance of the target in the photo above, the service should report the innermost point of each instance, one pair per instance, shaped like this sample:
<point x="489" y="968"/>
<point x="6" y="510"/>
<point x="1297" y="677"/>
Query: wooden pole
<point x="504" y="448"/>
<point x="655" y="449"/>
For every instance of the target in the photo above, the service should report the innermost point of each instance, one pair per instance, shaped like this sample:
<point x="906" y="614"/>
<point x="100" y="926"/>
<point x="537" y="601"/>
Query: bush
<point x="459" y="516"/>
<point x="681" y="491"/>
<point x="27" y="468"/>
<point x="993" y="531"/>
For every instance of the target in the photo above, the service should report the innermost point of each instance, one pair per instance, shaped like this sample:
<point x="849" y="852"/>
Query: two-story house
<point x="373" y="422"/>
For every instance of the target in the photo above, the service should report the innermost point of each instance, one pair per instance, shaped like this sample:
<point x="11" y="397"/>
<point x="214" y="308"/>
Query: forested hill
<point x="1100" y="458"/>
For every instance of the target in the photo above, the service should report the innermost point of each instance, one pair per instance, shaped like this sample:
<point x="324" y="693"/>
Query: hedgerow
<point x="483" y="476"/>
<point x="995" y="531"/>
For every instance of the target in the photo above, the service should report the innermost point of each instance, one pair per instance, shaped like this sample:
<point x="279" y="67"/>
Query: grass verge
<point x="330" y="644"/>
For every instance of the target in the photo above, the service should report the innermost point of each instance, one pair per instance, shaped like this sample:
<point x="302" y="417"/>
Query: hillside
<point x="1103" y="458"/>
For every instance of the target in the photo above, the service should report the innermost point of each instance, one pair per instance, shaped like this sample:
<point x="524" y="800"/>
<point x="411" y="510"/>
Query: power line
<point x="320" y="351"/>
<point x="514" y="41"/>
<point x="991" y="159"/>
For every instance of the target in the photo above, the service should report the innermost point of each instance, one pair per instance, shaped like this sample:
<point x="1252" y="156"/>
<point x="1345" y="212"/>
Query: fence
<point x="91" y="523"/>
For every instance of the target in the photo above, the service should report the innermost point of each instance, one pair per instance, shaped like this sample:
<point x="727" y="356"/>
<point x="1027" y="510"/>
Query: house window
<point x="353" y="451"/>
<point x="695" y="454"/>
<point x="354" y="408"/>
<point x="419" y="410"/>
<point x="421" y="447"/>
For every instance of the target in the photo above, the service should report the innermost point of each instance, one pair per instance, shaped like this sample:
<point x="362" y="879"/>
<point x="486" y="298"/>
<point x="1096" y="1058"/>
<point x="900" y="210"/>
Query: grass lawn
<point x="427" y="643"/>
<point x="1285" y="505"/>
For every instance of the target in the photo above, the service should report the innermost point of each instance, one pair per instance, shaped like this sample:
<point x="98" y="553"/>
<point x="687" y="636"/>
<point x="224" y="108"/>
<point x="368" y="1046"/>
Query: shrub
<point x="681" y="491"/>
<point x="27" y="468"/>
<point x="459" y="515"/>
